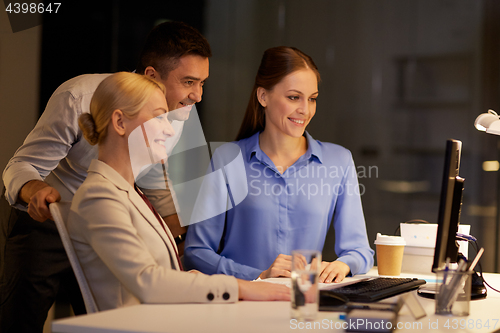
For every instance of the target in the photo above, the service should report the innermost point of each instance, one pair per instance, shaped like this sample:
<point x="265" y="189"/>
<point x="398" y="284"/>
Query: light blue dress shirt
<point x="282" y="212"/>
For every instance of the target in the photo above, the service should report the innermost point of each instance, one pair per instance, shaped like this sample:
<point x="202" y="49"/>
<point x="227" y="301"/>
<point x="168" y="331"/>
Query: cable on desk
<point x="467" y="238"/>
<point x="476" y="248"/>
<point x="397" y="232"/>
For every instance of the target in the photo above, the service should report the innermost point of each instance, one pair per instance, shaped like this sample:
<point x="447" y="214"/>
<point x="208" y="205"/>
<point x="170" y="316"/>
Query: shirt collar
<point x="253" y="148"/>
<point x="110" y="174"/>
<point x="313" y="149"/>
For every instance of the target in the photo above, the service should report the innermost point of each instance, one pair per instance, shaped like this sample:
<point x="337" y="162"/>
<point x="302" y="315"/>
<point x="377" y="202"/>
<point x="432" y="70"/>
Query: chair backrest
<point x="60" y="212"/>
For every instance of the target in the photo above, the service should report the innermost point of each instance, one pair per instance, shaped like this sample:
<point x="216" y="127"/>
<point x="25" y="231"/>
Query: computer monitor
<point x="449" y="207"/>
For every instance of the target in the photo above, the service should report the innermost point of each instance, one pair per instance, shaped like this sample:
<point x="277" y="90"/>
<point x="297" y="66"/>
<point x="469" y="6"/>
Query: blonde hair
<point x="124" y="91"/>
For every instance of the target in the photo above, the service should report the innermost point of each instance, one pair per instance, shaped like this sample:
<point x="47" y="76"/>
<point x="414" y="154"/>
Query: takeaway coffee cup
<point x="389" y="254"/>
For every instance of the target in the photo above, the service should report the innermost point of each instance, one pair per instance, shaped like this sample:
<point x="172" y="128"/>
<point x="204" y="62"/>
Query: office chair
<point x="60" y="212"/>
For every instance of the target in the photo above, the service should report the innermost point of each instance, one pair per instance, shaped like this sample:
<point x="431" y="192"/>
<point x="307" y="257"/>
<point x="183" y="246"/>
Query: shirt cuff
<point x="14" y="180"/>
<point x="353" y="264"/>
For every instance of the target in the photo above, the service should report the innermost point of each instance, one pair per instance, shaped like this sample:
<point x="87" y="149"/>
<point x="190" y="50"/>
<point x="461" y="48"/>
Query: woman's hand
<point x="262" y="291"/>
<point x="281" y="266"/>
<point x="334" y="271"/>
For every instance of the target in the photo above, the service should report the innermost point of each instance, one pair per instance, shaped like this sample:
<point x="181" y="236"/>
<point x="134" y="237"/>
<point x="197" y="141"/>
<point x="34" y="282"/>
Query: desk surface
<point x="271" y="317"/>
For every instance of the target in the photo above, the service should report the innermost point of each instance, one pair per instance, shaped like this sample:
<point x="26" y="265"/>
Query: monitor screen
<point x="449" y="207"/>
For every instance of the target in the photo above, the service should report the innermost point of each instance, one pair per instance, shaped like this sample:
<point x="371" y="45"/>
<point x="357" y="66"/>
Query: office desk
<point x="270" y="317"/>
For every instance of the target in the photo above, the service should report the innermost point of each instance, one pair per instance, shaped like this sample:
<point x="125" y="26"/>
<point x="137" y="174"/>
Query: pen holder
<point x="453" y="292"/>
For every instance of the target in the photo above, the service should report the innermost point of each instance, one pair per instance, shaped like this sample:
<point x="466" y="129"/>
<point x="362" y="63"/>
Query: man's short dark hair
<point x="167" y="43"/>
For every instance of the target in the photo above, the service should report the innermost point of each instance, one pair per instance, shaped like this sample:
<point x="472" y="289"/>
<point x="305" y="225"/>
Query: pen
<point x="476" y="259"/>
<point x="449" y="292"/>
<point x="446" y="269"/>
<point x="452" y="290"/>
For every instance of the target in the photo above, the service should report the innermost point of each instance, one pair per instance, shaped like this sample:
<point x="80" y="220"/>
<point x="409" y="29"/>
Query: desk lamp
<point x="488" y="122"/>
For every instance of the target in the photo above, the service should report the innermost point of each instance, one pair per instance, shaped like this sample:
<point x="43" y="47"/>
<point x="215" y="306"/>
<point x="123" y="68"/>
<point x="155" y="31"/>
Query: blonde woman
<point x="127" y="253"/>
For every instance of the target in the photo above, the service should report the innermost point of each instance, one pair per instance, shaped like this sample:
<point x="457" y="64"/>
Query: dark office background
<point x="399" y="77"/>
<point x="103" y="36"/>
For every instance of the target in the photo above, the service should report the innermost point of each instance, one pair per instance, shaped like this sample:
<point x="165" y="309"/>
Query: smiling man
<point x="183" y="70"/>
<point x="51" y="165"/>
<point x="184" y="84"/>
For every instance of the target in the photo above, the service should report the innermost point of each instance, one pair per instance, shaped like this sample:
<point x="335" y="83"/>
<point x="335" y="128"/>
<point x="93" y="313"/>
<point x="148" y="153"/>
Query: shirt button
<point x="225" y="296"/>
<point x="210" y="296"/>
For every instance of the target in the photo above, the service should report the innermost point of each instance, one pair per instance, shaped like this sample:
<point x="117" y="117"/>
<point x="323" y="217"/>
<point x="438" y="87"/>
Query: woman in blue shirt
<point x="287" y="189"/>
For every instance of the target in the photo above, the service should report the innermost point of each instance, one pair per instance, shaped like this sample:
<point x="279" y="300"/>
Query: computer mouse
<point x="329" y="301"/>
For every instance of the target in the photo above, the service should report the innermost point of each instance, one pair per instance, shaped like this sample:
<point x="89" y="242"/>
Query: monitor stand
<point x="477" y="290"/>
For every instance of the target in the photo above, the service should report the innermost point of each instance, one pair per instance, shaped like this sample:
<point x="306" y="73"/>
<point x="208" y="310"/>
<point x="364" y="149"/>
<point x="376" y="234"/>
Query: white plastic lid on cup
<point x="389" y="240"/>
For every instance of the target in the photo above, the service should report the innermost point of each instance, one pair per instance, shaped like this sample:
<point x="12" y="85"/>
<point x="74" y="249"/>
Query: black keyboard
<point x="372" y="290"/>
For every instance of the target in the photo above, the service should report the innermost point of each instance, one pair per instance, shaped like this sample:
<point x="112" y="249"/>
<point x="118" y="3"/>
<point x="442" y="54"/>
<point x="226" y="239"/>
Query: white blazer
<point x="126" y="255"/>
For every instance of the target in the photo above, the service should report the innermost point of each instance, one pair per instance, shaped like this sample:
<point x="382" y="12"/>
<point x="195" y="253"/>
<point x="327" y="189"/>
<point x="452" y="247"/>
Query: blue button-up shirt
<point x="282" y="212"/>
